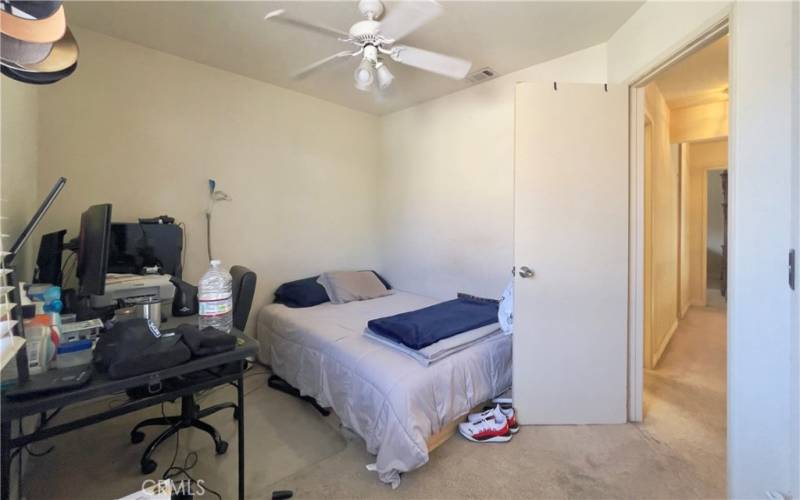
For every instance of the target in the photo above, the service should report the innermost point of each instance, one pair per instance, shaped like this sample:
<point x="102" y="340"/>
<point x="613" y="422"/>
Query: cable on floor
<point x="189" y="462"/>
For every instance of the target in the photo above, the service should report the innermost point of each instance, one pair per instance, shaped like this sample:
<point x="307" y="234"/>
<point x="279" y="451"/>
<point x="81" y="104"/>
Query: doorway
<point x="685" y="140"/>
<point x="716" y="238"/>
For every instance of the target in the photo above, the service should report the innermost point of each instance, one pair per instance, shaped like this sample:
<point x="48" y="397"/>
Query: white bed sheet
<point x="384" y="396"/>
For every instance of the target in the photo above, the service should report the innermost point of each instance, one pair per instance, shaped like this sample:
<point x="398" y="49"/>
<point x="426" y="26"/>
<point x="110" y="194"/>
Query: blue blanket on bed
<point x="423" y="327"/>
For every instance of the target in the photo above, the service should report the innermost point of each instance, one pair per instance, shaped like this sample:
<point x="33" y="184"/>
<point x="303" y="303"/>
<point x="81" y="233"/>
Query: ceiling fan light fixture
<point x="364" y="75"/>
<point x="384" y="76"/>
<point x="375" y="38"/>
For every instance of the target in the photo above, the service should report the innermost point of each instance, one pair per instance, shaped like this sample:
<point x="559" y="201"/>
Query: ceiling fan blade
<point x="281" y="17"/>
<point x="448" y="66"/>
<point x="406" y="17"/>
<point x="313" y="67"/>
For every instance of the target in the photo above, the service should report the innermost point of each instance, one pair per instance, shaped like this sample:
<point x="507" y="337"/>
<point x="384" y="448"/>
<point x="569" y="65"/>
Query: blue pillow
<point x="307" y="292"/>
<point x="301" y="293"/>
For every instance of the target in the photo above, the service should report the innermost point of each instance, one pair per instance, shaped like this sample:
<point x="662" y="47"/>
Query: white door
<point x="571" y="231"/>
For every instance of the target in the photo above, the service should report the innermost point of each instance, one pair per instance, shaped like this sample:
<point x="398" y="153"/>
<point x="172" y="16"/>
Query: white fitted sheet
<point x="383" y="395"/>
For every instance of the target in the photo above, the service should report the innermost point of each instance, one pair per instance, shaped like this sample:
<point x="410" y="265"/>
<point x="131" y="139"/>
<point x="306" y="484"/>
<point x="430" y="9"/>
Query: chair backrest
<point x="243" y="289"/>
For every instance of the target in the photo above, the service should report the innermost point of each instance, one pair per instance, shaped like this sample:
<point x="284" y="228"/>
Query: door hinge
<point x="791" y="268"/>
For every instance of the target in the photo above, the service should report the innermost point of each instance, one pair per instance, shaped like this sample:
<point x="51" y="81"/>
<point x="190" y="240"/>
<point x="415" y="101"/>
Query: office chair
<point x="243" y="289"/>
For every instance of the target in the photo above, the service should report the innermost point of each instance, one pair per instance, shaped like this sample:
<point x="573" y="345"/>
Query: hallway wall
<point x="661" y="196"/>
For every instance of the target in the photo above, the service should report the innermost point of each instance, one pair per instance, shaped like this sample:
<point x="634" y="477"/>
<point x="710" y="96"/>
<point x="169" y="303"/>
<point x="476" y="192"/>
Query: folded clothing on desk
<point x="207" y="341"/>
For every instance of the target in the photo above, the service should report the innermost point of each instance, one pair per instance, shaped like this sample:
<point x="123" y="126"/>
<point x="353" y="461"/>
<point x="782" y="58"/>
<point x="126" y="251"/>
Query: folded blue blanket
<point x="421" y="328"/>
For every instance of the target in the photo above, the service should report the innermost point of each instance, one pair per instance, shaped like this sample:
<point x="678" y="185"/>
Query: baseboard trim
<point x="664" y="344"/>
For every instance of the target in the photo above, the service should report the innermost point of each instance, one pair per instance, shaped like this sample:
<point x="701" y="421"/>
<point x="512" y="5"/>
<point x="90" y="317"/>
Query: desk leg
<point x="240" y="404"/>
<point x="5" y="467"/>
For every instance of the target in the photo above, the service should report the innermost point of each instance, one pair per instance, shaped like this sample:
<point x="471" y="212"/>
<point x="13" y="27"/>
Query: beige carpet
<point x="678" y="452"/>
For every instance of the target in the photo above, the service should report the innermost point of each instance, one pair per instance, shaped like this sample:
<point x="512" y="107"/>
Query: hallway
<point x="685" y="396"/>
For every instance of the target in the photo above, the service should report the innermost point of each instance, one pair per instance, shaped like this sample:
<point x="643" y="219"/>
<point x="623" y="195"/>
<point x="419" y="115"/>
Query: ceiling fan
<point x="375" y="38"/>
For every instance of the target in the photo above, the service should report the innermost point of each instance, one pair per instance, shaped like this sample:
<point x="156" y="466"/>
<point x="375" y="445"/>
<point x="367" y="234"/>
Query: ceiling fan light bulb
<point x="364" y="75"/>
<point x="385" y="77"/>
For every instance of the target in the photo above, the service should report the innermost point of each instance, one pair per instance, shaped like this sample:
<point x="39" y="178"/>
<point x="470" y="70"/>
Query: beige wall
<point x="18" y="162"/>
<point x="704" y="122"/>
<point x="447" y="182"/>
<point x="656" y="31"/>
<point x="144" y="131"/>
<point x="661" y="241"/>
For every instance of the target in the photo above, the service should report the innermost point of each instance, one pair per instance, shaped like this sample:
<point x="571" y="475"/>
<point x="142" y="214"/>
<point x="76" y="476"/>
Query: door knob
<point x="525" y="272"/>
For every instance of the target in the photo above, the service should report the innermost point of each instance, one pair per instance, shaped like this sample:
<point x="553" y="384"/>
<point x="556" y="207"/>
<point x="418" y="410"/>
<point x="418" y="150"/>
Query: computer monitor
<point x="48" y="260"/>
<point x="93" y="243"/>
<point x="136" y="246"/>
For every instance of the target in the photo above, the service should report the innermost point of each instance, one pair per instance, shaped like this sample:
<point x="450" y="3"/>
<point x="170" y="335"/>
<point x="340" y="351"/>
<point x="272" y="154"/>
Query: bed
<point x="401" y="409"/>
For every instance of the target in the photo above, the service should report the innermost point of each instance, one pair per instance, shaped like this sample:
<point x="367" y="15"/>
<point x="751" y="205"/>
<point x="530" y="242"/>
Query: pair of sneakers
<point x="493" y="425"/>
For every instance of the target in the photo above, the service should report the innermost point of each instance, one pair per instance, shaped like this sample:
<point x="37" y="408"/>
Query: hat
<point x="37" y="78"/>
<point x="44" y="30"/>
<point x="18" y="52"/>
<point x="26" y="9"/>
<point x="62" y="55"/>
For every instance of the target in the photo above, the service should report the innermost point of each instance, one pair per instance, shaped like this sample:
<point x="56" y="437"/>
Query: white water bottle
<point x="215" y="298"/>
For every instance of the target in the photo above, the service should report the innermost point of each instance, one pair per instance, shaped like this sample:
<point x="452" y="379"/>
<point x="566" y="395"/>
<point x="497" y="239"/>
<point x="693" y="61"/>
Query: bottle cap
<point x="215" y="262"/>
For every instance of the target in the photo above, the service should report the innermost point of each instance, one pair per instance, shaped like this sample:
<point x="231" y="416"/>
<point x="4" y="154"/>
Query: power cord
<point x="189" y="462"/>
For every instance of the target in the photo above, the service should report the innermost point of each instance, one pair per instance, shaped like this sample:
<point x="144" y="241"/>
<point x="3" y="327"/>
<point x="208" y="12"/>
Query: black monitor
<point x="93" y="243"/>
<point x="48" y="260"/>
<point x="136" y="246"/>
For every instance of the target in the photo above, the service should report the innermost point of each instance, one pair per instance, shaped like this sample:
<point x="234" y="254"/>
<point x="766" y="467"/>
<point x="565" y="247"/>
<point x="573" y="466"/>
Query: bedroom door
<point x="571" y="253"/>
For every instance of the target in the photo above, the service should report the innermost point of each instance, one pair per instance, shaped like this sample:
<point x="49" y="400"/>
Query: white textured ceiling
<point x="233" y="36"/>
<point x="701" y="77"/>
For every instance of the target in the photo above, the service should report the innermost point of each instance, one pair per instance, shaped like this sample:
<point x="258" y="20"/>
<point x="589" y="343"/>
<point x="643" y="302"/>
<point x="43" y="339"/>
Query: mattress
<point x="384" y="396"/>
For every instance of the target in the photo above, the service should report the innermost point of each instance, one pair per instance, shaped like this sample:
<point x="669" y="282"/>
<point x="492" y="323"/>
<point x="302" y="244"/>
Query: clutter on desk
<point x="37" y="46"/>
<point x="75" y="353"/>
<point x="72" y="330"/>
<point x="110" y="321"/>
<point x="42" y="335"/>
<point x="184" y="301"/>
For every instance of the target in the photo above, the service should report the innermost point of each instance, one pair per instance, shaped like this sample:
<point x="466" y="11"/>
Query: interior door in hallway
<point x="571" y="253"/>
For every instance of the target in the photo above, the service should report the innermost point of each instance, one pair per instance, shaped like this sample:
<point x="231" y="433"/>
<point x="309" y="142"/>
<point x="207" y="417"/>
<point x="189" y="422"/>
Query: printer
<point x="143" y="296"/>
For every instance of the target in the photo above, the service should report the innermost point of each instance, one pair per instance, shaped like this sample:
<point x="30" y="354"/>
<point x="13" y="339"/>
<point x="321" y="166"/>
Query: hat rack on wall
<point x="36" y="47"/>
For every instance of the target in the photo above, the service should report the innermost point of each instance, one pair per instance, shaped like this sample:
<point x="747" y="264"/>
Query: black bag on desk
<point x="131" y="348"/>
<point x="207" y="341"/>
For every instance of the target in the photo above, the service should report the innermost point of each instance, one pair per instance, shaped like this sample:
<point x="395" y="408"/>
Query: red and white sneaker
<point x="490" y="413"/>
<point x="493" y="430"/>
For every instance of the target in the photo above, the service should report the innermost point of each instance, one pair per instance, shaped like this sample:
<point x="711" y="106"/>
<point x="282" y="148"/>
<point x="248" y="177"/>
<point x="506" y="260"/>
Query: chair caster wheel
<point x="137" y="437"/>
<point x="148" y="466"/>
<point x="222" y="447"/>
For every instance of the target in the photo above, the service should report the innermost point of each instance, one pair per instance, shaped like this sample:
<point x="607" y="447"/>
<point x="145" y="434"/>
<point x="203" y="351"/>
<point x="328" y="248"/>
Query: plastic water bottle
<point x="215" y="298"/>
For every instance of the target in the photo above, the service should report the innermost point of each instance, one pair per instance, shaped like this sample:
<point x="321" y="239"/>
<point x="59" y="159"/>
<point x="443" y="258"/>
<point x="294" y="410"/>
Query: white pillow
<point x="347" y="286"/>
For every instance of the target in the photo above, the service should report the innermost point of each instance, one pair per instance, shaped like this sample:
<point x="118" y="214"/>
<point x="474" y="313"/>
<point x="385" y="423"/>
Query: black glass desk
<point x="102" y="386"/>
